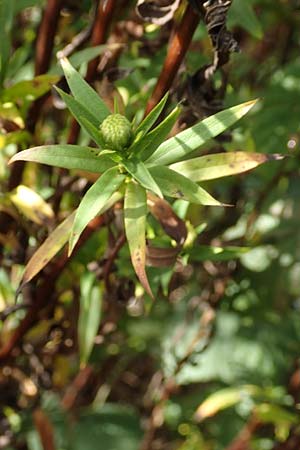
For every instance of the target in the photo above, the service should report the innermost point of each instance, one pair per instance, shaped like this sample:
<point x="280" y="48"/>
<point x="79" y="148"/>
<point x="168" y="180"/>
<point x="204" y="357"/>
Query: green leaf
<point x="213" y="253"/>
<point x="67" y="157"/>
<point x="149" y="143"/>
<point x="93" y="131"/>
<point x="175" y="185"/>
<point x="29" y="90"/>
<point x="219" y="165"/>
<point x="151" y="118"/>
<point x="83" y="92"/>
<point x="49" y="248"/>
<point x="177" y="147"/>
<point x="135" y="213"/>
<point x="241" y="13"/>
<point x="142" y="175"/>
<point x="89" y="314"/>
<point x="94" y="202"/>
<point x="78" y="110"/>
<point x="6" y="23"/>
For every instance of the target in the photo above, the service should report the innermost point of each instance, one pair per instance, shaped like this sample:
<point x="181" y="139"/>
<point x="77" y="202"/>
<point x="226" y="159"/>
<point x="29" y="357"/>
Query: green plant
<point x="135" y="160"/>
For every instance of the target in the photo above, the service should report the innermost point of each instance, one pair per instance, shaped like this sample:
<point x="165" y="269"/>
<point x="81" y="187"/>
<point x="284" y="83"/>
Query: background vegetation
<point x="88" y="360"/>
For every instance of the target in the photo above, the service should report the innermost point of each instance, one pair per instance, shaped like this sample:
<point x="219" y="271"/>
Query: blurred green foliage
<point x="226" y="317"/>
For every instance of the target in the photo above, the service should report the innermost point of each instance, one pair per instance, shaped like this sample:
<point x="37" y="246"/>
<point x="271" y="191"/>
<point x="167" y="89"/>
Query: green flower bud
<point x="116" y="131"/>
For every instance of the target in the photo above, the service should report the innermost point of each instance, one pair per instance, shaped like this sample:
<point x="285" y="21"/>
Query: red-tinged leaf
<point x="135" y="213"/>
<point x="162" y="257"/>
<point x="164" y="214"/>
<point x="49" y="248"/>
<point x="210" y="167"/>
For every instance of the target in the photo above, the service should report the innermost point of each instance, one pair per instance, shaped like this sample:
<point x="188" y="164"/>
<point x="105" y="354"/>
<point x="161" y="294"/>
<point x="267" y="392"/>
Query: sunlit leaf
<point x="175" y="185"/>
<point x="135" y="212"/>
<point x="49" y="248"/>
<point x="89" y="314"/>
<point x="210" y="167"/>
<point x="223" y="399"/>
<point x="151" y="118"/>
<point x="31" y="205"/>
<point x="94" y="202"/>
<point x="83" y="92"/>
<point x="67" y="157"/>
<point x="191" y="139"/>
<point x="29" y="90"/>
<point x="141" y="174"/>
<point x="149" y="143"/>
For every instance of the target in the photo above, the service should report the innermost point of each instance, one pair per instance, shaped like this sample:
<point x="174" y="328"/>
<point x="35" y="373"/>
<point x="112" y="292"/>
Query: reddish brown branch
<point x="44" y="48"/>
<point x="46" y="34"/>
<point x="99" y="33"/>
<point x="107" y="268"/>
<point x="44" y="428"/>
<point x="177" y="49"/>
<point x="45" y="290"/>
<point x="242" y="441"/>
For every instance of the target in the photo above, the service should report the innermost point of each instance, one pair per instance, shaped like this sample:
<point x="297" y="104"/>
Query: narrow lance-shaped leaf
<point x="49" y="248"/>
<point x="151" y="118"/>
<point x="182" y="144"/>
<point x="67" y="157"/>
<point x="141" y="174"/>
<point x="83" y="116"/>
<point x="149" y="143"/>
<point x="29" y="89"/>
<point x="83" y="92"/>
<point x="210" y="167"/>
<point x="94" y="202"/>
<point x="175" y="185"/>
<point x="89" y="314"/>
<point x="135" y="213"/>
<point x="55" y="242"/>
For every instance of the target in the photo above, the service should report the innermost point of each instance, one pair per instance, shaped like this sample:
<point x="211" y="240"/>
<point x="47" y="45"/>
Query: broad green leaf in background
<point x="151" y="118"/>
<point x="89" y="314"/>
<point x="211" y="253"/>
<point x="175" y="185"/>
<point x="135" y="213"/>
<point x="83" y="92"/>
<point x="83" y="56"/>
<point x="149" y="143"/>
<point x="94" y="202"/>
<point x="66" y="156"/>
<point x="191" y="139"/>
<point x="49" y="248"/>
<point x="219" y="165"/>
<point x="29" y="90"/>
<point x="6" y="22"/>
<point x="241" y="13"/>
<point x="141" y="174"/>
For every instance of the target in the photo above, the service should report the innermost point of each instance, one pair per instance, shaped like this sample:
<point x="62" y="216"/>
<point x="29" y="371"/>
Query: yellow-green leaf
<point x="177" y="147"/>
<point x="210" y="167"/>
<point x="32" y="205"/>
<point x="135" y="213"/>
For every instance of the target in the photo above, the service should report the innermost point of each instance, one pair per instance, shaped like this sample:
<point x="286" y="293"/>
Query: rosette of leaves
<point x="133" y="161"/>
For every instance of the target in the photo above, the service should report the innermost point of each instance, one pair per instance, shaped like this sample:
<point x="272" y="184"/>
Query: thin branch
<point x="177" y="49"/>
<point x="45" y="290"/>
